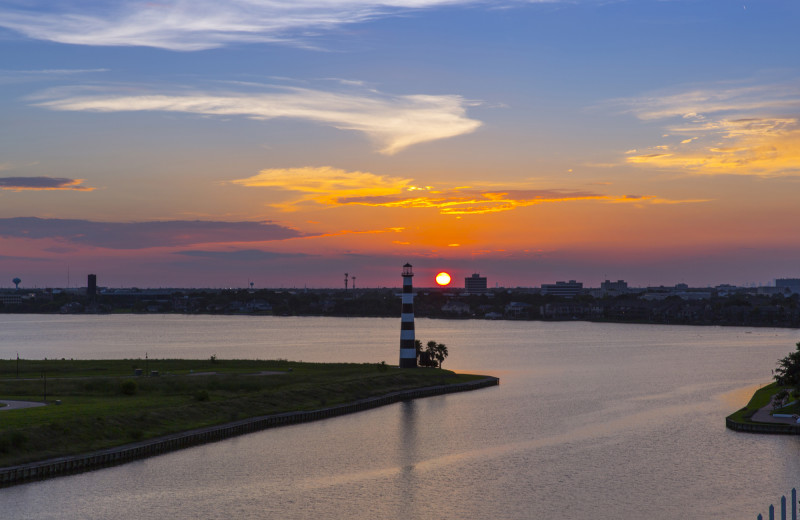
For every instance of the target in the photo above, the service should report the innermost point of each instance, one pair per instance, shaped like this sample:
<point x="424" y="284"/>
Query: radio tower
<point x="345" y="281"/>
<point x="408" y="351"/>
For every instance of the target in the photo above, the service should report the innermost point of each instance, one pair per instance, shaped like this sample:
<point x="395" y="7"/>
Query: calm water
<point x="591" y="421"/>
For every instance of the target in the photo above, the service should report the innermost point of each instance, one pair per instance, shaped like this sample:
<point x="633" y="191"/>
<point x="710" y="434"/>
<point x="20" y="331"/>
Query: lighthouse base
<point x="408" y="362"/>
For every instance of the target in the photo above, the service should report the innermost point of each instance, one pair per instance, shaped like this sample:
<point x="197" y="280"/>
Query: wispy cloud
<point x="324" y="185"/>
<point x="393" y="122"/>
<point x="743" y="130"/>
<point x="335" y="187"/>
<point x="141" y="235"/>
<point x="476" y="201"/>
<point x="200" y="24"/>
<point x="240" y="255"/>
<point x="9" y="76"/>
<point x="471" y="201"/>
<point x="700" y="102"/>
<point x="42" y="183"/>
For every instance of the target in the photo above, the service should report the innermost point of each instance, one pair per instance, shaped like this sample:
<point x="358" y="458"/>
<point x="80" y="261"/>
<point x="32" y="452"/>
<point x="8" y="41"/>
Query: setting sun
<point x="443" y="278"/>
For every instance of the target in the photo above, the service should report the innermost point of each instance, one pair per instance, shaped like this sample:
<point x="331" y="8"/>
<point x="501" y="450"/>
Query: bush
<point x="128" y="387"/>
<point x="13" y="440"/>
<point x="202" y="395"/>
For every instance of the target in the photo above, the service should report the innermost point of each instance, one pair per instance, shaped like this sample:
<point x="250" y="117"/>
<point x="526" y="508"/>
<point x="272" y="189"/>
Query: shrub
<point x="202" y="395"/>
<point x="128" y="387"/>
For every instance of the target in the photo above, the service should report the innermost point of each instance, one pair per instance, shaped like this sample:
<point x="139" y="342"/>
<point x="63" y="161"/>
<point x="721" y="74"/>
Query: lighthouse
<point x="408" y="352"/>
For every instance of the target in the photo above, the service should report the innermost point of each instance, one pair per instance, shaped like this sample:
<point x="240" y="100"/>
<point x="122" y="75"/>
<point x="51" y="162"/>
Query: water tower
<point x="16" y="282"/>
<point x="408" y="351"/>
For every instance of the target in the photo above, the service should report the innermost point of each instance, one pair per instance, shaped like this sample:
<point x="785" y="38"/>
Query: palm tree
<point x="436" y="352"/>
<point x="441" y="353"/>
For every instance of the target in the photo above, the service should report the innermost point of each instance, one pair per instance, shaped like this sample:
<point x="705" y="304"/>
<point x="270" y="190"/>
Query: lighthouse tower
<point x="408" y="352"/>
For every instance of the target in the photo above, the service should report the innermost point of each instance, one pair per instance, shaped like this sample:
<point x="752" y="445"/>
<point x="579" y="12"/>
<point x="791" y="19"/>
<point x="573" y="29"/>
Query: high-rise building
<point x="91" y="286"/>
<point x="475" y="284"/>
<point x="408" y="350"/>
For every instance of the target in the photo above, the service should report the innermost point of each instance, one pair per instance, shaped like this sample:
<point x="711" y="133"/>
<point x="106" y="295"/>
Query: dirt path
<point x="14" y="405"/>
<point x="762" y="415"/>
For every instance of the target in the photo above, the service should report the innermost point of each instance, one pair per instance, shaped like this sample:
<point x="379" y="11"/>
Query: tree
<point x="787" y="375"/>
<point x="432" y="355"/>
<point x="788" y="371"/>
<point x="441" y="353"/>
<point x="436" y="353"/>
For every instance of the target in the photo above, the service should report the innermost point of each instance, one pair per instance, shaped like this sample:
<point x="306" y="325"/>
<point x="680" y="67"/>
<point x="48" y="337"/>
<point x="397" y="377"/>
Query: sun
<point x="443" y="278"/>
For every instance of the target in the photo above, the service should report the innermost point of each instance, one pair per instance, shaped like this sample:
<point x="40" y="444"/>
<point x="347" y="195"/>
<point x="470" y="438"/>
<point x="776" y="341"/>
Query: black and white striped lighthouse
<point x="408" y="352"/>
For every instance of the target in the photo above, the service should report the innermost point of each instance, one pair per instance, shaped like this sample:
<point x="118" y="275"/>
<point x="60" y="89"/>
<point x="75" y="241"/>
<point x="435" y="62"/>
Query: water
<point x="599" y="421"/>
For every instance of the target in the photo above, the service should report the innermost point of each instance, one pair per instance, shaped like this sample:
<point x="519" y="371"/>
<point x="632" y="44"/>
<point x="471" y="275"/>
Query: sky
<point x="286" y="142"/>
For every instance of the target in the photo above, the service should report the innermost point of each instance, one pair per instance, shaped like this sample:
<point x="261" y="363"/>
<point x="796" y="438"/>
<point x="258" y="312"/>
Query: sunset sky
<point x="211" y="143"/>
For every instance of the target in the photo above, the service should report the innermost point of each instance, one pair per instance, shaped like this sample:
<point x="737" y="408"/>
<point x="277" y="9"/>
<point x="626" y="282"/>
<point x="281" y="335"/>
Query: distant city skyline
<point x="209" y="144"/>
<point x="427" y="278"/>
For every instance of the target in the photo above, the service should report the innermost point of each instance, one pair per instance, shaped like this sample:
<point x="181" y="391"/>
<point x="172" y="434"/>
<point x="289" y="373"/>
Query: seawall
<point x="13" y="475"/>
<point x="783" y="429"/>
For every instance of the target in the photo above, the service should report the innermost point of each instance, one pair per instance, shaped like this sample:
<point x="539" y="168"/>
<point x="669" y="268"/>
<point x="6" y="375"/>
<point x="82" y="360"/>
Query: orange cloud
<point x="770" y="153"/>
<point x="334" y="187"/>
<point x="458" y="202"/>
<point x="733" y="131"/>
<point x="324" y="185"/>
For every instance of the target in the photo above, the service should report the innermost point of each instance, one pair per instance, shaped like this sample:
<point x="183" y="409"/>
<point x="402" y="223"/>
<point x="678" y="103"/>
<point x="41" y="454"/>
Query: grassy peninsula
<point x="783" y="394"/>
<point x="103" y="404"/>
<point x="761" y="398"/>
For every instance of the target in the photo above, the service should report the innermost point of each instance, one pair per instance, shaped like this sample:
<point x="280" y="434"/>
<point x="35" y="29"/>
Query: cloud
<point x="23" y="258"/>
<point x="141" y="235"/>
<point x="325" y="184"/>
<point x="335" y="187"/>
<point x="462" y="201"/>
<point x="393" y="122"/>
<point x="200" y="24"/>
<point x="746" y="130"/>
<point x="242" y="255"/>
<point x="42" y="183"/>
<point x="697" y="104"/>
<point x="8" y="76"/>
<point x="473" y="201"/>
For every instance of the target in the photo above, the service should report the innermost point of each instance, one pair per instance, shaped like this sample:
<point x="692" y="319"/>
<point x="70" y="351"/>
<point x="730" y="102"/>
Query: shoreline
<point x="755" y="417"/>
<point x="599" y="321"/>
<point x="770" y="428"/>
<point x="62" y="466"/>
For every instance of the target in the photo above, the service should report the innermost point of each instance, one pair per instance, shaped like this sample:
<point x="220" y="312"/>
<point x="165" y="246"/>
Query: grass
<point x="103" y="404"/>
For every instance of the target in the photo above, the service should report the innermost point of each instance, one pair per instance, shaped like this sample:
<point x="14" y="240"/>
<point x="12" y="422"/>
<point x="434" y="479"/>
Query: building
<point x="564" y="289"/>
<point x="789" y="285"/>
<point x="618" y="287"/>
<point x="518" y="310"/>
<point x="10" y="299"/>
<point x="456" y="307"/>
<point x="91" y="287"/>
<point x="475" y="284"/>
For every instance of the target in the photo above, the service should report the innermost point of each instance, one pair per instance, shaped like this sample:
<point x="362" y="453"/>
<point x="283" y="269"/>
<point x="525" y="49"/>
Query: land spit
<point x="60" y="466"/>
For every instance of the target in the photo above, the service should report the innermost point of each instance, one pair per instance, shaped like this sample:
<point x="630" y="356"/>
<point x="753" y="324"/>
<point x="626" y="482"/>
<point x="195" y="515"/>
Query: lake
<point x="600" y="421"/>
